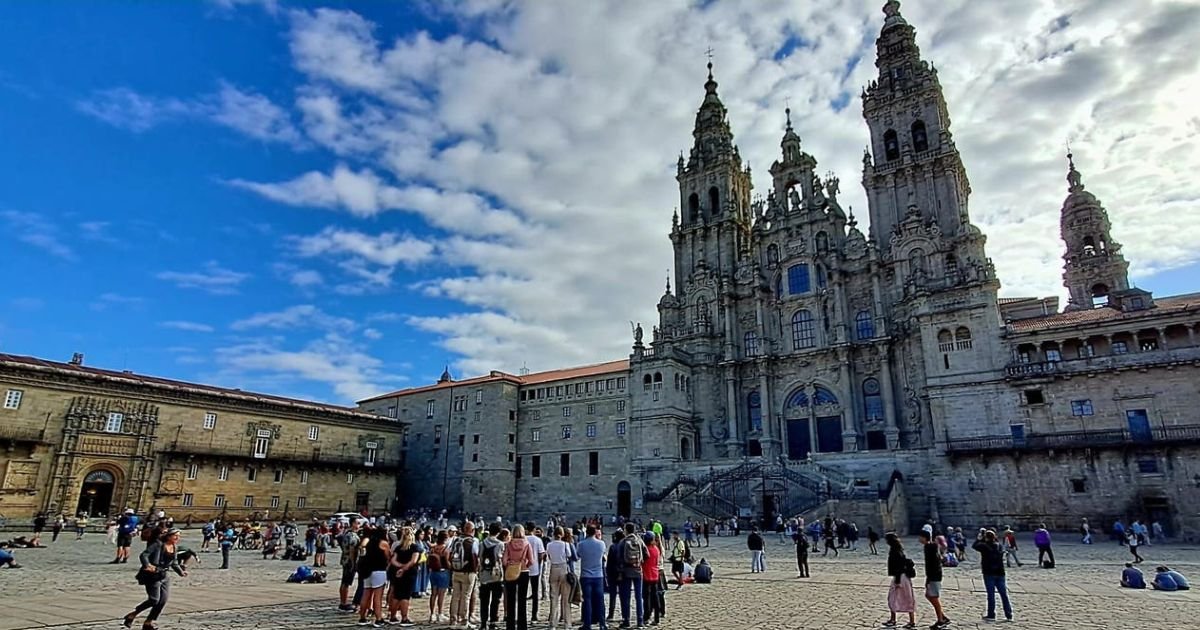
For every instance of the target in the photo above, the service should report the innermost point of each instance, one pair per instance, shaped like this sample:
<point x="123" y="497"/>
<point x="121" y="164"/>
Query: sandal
<point x="128" y="620"/>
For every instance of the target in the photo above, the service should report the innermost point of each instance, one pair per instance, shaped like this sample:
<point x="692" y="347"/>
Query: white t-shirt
<point x="558" y="551"/>
<point x="537" y="548"/>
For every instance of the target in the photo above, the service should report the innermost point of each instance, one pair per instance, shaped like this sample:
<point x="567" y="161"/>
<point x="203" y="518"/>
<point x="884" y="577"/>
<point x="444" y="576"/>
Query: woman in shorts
<point x="437" y="563"/>
<point x="403" y="567"/>
<point x="373" y="565"/>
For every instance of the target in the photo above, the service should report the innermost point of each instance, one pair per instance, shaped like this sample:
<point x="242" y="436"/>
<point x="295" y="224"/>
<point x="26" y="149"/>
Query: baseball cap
<point x="129" y="510"/>
<point x="452" y="528"/>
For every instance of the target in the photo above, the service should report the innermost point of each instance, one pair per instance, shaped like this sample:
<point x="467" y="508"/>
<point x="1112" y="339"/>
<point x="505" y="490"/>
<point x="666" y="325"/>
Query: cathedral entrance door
<point x="624" y="500"/>
<point x="829" y="434"/>
<point x="95" y="497"/>
<point x="799" y="439"/>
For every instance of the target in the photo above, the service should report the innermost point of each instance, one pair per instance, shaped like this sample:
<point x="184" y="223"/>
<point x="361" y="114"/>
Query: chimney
<point x="77" y="358"/>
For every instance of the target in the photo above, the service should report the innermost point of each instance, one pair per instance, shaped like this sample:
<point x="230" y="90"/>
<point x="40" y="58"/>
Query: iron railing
<point x="298" y="457"/>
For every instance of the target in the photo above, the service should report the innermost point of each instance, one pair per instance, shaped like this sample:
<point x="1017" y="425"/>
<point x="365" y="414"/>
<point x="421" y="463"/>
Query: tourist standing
<point x="900" y="591"/>
<point x="801" y="541"/>
<point x="81" y="523"/>
<point x="1010" y="547"/>
<point x="491" y="578"/>
<point x="933" y="576"/>
<point x="373" y="563"/>
<point x="126" y="526"/>
<point x="991" y="564"/>
<point x="350" y="545"/>
<point x="1041" y="539"/>
<point x="439" y="576"/>
<point x="592" y="552"/>
<point x="226" y="539"/>
<point x="1132" y="541"/>
<point x="706" y="529"/>
<point x="632" y="557"/>
<point x="677" y="557"/>
<point x="518" y="558"/>
<point x="754" y="542"/>
<point x="1156" y="532"/>
<point x="829" y="531"/>
<point x="39" y="523"/>
<point x="405" y="556"/>
<point x="651" y="589"/>
<point x="613" y="573"/>
<point x="873" y="540"/>
<point x="559" y="554"/>
<point x="464" y="565"/>
<point x="537" y="550"/>
<point x="157" y="560"/>
<point x="57" y="527"/>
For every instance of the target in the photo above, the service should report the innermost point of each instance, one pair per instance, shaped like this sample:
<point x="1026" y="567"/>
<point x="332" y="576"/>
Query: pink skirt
<point x="900" y="596"/>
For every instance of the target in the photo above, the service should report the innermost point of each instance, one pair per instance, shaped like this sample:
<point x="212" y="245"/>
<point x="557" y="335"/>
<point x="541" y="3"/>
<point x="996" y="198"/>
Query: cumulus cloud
<point x="331" y="360"/>
<point x="538" y="145"/>
<point x="213" y="278"/>
<point x="187" y="326"/>
<point x="36" y="230"/>
<point x="300" y="316"/>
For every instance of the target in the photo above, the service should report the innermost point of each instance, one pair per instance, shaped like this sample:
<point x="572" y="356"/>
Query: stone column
<point x="733" y="441"/>
<point x="889" y="404"/>
<point x="850" y="425"/>
<point x="770" y="439"/>
<point x="1162" y="338"/>
<point x="1191" y="335"/>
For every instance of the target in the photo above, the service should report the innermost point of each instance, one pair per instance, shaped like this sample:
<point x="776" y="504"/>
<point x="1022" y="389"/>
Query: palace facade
<point x="801" y="364"/>
<point x="76" y="439"/>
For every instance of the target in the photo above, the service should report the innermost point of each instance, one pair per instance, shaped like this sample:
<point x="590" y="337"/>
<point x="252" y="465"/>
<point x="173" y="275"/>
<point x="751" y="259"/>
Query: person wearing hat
<point x="157" y="560"/>
<point x="127" y="525"/>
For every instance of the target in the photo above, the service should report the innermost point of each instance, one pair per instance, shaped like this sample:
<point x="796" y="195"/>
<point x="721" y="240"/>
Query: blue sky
<point x="330" y="201"/>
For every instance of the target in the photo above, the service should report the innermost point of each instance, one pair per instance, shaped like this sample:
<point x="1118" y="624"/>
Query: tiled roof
<point x="594" y="369"/>
<point x="131" y="378"/>
<point x="1163" y="307"/>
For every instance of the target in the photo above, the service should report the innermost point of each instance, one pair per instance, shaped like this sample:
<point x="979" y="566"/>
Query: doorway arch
<point x="96" y="493"/>
<point x="624" y="500"/>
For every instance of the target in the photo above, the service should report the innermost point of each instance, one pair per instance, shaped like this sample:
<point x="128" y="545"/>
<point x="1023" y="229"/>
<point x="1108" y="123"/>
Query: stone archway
<point x="97" y="492"/>
<point x="624" y="500"/>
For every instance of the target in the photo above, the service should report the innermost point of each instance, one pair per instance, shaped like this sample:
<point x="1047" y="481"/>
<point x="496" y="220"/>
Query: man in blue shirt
<point x="227" y="536"/>
<point x="127" y="526"/>
<point x="1163" y="581"/>
<point x="1181" y="582"/>
<point x="1131" y="577"/>
<point x="592" y="552"/>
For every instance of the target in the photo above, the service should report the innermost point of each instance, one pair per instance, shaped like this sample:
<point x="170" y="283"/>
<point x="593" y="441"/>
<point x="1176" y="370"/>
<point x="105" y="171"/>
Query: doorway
<point x="96" y="495"/>
<point x="799" y="440"/>
<point x="624" y="500"/>
<point x="1139" y="425"/>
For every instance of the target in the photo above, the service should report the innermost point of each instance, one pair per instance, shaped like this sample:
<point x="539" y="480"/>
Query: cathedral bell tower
<point x="713" y="230"/>
<point x="1095" y="267"/>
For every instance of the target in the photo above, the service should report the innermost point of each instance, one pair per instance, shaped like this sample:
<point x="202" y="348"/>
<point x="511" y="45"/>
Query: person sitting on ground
<point x="1163" y="581"/>
<point x="8" y="560"/>
<point x="1132" y="577"/>
<point x="703" y="573"/>
<point x="1181" y="583"/>
<point x="21" y="542"/>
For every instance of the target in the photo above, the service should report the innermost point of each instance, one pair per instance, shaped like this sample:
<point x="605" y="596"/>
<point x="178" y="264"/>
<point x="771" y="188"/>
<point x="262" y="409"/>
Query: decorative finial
<point x="668" y="282"/>
<point x="891" y="8"/>
<point x="1074" y="179"/>
<point x="852" y="222"/>
<point x="709" y="53"/>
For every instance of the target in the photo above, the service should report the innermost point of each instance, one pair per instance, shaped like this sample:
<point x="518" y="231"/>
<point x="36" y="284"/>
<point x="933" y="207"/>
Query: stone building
<point x="802" y="364"/>
<point x="77" y="439"/>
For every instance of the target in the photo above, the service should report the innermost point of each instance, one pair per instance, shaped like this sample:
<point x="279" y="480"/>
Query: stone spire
<point x="446" y="378"/>
<point x="1094" y="266"/>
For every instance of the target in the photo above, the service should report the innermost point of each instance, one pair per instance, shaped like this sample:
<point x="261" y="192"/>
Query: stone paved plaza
<point x="69" y="584"/>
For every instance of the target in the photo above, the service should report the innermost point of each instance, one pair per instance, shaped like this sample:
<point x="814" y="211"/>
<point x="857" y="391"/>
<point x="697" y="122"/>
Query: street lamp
<point x="91" y="492"/>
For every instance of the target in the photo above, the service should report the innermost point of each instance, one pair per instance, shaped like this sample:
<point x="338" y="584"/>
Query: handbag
<point x="576" y="590"/>
<point x="145" y="578"/>
<point x="512" y="572"/>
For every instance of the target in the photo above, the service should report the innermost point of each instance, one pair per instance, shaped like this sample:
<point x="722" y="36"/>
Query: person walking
<point x="801" y="542"/>
<point x="56" y="528"/>
<point x="677" y="557"/>
<point x="126" y="526"/>
<point x="350" y="544"/>
<point x="1086" y="531"/>
<point x="632" y="557"/>
<point x="828" y="530"/>
<point x="1010" y="547"/>
<point x="933" y="577"/>
<point x="873" y="540"/>
<point x="518" y="558"/>
<point x="592" y="554"/>
<point x="754" y="542"/>
<point x="81" y="523"/>
<point x="991" y="564"/>
<point x="1041" y="539"/>
<point x="1133" y="542"/>
<point x="900" y="591"/>
<point x="158" y="558"/>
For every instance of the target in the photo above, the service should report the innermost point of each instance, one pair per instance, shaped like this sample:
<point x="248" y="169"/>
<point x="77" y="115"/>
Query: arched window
<point x="864" y="325"/>
<point x="803" y="335"/>
<point x="822" y="242"/>
<point x="685" y="448"/>
<point x="919" y="139"/>
<point x="798" y="279"/>
<point x="646" y="382"/>
<point x="945" y="341"/>
<point x="754" y="411"/>
<point x="951" y="269"/>
<point x="823" y="396"/>
<point x="678" y="382"/>
<point x="772" y="254"/>
<point x="1089" y="246"/>
<point x="962" y="338"/>
<point x="751" y="347"/>
<point x="797" y="399"/>
<point x="891" y="145"/>
<point x="658" y="380"/>
<point x="714" y="201"/>
<point x="694" y="207"/>
<point x="1099" y="290"/>
<point x="872" y="401"/>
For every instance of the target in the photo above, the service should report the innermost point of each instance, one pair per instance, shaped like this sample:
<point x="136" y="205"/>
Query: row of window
<point x="577" y="389"/>
<point x="536" y="414"/>
<point x="567" y="431"/>
<point x="564" y="465"/>
<point x="891" y="141"/>
<point x="655" y="382"/>
<point x="1087" y="351"/>
<point x="247" y="501"/>
<point x="193" y="471"/>
<point x="804" y="333"/>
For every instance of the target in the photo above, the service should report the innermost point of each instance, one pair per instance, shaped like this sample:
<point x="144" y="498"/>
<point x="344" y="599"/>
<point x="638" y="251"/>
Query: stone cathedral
<point x="803" y="366"/>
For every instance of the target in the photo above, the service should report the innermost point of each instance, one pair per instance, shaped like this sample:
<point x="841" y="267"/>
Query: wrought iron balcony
<point x="1109" y="438"/>
<point x="297" y="457"/>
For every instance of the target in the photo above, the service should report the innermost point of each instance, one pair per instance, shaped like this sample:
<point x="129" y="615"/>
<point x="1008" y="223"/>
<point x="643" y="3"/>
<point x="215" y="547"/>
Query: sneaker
<point x="988" y="619"/>
<point x="341" y="607"/>
<point x="405" y="623"/>
<point x="362" y="621"/>
<point x="1008" y="619"/>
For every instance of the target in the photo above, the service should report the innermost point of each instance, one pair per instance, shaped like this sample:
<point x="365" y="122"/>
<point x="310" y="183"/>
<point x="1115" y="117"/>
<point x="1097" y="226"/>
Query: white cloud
<point x="300" y="316"/>
<point x="186" y="326"/>
<point x="372" y="334"/>
<point x="270" y="6"/>
<point x="248" y="113"/>
<point x="36" y="230"/>
<point x="117" y="301"/>
<point x="538" y="145"/>
<point x="214" y="279"/>
<point x="331" y="360"/>
<point x="306" y="278"/>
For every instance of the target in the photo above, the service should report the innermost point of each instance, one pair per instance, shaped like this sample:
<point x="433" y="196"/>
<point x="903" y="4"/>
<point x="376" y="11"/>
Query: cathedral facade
<point x="800" y="363"/>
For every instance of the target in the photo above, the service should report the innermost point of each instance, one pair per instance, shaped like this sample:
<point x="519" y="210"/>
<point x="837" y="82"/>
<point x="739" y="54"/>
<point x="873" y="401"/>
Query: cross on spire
<point x="709" y="54"/>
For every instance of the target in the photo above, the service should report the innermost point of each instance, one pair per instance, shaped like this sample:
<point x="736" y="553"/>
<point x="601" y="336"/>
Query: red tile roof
<point x="594" y="369"/>
<point x="1163" y="307"/>
<point x="34" y="363"/>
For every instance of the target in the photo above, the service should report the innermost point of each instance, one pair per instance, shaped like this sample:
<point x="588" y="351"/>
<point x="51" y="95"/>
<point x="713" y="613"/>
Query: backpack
<point x="632" y="552"/>
<point x="460" y="555"/>
<point x="434" y="562"/>
<point x="147" y="533"/>
<point x="909" y="569"/>
<point x="489" y="563"/>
